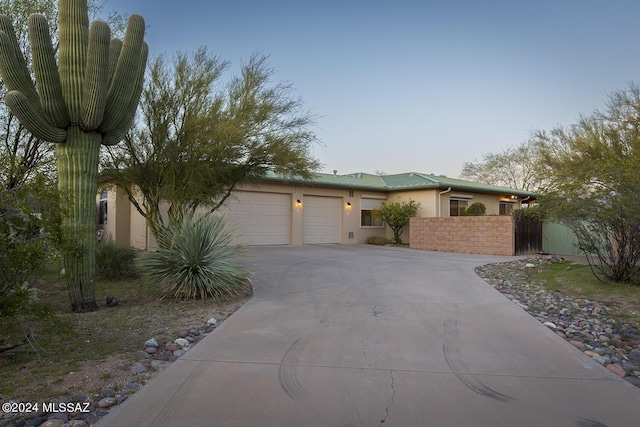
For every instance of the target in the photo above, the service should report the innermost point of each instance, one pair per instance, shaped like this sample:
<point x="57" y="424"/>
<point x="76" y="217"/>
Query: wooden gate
<point x="528" y="234"/>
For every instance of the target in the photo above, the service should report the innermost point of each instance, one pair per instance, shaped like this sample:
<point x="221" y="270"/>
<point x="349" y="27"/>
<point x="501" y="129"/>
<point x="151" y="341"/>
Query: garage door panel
<point x="260" y="218"/>
<point x="322" y="219"/>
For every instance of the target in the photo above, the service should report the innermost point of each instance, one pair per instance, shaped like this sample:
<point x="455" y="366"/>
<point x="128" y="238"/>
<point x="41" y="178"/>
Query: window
<point x="369" y="219"/>
<point x="102" y="210"/>
<point x="457" y="207"/>
<point x="506" y="208"/>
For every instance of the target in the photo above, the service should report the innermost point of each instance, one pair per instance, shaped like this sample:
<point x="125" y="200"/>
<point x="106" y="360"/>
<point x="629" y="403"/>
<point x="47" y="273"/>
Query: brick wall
<point x="491" y="235"/>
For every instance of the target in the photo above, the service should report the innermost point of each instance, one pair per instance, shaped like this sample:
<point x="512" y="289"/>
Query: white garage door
<point x="322" y="218"/>
<point x="261" y="218"/>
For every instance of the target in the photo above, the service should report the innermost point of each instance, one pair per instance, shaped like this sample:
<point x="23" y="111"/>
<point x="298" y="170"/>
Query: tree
<point x="397" y="215"/>
<point x="595" y="184"/>
<point x="518" y="167"/>
<point x="198" y="139"/>
<point x="87" y="99"/>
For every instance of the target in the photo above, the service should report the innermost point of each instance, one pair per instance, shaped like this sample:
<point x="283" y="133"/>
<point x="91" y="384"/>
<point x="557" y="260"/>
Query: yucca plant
<point x="196" y="259"/>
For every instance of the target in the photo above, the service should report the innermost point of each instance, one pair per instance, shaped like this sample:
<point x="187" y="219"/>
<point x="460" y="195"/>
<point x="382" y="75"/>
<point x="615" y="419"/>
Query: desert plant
<point x="196" y="259"/>
<point x="378" y="240"/>
<point x="85" y="100"/>
<point x="476" y="209"/>
<point x="115" y="262"/>
<point x="25" y="249"/>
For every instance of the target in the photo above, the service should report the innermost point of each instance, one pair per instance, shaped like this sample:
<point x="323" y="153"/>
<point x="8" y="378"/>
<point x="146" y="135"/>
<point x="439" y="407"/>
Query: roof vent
<point x="335" y="172"/>
<point x="443" y="176"/>
<point x="359" y="175"/>
<point x="411" y="175"/>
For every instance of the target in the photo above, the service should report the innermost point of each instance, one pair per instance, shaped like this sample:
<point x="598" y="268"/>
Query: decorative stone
<point x="151" y="350"/>
<point x="211" y="322"/>
<point x="172" y="347"/>
<point x="107" y="402"/>
<point x="617" y="369"/>
<point x="111" y="301"/>
<point x="530" y="265"/>
<point x="53" y="423"/>
<point x="151" y="343"/>
<point x="550" y="325"/>
<point x="159" y="365"/>
<point x="64" y="417"/>
<point x="183" y="334"/>
<point x="179" y="353"/>
<point x="181" y="342"/>
<point x="140" y="368"/>
<point x="107" y="392"/>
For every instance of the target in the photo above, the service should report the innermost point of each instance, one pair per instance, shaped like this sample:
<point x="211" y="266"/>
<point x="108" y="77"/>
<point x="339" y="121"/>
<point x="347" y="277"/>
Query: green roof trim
<point x="397" y="182"/>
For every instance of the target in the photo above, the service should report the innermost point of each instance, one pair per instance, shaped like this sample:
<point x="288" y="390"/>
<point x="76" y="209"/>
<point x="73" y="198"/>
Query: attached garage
<point x="260" y="218"/>
<point x="322" y="219"/>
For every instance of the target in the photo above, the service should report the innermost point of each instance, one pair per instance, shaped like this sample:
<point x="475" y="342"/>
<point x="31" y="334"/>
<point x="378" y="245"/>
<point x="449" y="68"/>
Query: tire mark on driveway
<point x="454" y="361"/>
<point x="287" y="374"/>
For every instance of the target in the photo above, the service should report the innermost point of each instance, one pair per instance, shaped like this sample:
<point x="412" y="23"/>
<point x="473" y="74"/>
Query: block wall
<point x="490" y="235"/>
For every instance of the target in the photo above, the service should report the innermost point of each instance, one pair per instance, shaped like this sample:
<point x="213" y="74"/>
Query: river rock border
<point x="587" y="325"/>
<point x="153" y="359"/>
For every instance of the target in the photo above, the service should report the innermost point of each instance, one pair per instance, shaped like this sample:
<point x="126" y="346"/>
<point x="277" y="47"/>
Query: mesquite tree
<point x="87" y="99"/>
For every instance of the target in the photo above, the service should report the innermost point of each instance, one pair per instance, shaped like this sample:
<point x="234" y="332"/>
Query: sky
<point x="417" y="85"/>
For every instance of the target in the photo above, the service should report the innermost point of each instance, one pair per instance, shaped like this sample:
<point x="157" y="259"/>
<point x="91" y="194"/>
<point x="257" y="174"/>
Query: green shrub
<point x="25" y="250"/>
<point x="378" y="240"/>
<point x="114" y="262"/>
<point x="197" y="260"/>
<point x="476" y="209"/>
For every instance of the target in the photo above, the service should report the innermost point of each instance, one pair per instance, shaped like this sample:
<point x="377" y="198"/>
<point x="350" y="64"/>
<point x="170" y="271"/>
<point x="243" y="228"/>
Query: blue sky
<point x="419" y="86"/>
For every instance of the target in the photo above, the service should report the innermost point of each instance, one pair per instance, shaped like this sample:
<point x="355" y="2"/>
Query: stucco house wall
<point x="326" y="209"/>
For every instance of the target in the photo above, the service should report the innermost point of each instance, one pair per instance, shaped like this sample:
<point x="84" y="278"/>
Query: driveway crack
<point x="391" y="400"/>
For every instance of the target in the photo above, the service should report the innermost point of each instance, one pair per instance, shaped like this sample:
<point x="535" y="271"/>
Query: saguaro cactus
<point x="89" y="98"/>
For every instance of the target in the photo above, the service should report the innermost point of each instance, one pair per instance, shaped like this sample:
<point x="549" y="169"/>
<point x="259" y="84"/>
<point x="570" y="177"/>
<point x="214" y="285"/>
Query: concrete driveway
<point x="375" y="336"/>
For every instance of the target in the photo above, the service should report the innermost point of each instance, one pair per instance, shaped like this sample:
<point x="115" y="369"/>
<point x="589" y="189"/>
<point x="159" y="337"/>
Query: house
<point x="329" y="208"/>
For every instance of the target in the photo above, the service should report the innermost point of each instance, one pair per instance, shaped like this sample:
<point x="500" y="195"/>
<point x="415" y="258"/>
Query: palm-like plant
<point x="197" y="259"/>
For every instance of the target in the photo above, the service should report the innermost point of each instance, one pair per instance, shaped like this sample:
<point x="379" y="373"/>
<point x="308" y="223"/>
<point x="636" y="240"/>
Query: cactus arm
<point x="112" y="138"/>
<point x="96" y="80"/>
<point x="124" y="78"/>
<point x="24" y="110"/>
<point x="46" y="72"/>
<point x="15" y="73"/>
<point x="73" y="37"/>
<point x="114" y="53"/>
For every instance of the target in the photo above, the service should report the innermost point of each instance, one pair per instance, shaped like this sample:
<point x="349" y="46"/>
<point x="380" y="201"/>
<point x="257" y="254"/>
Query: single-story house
<point x="329" y="208"/>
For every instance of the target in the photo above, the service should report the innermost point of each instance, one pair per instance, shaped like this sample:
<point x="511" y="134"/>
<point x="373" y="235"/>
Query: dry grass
<point x="77" y="354"/>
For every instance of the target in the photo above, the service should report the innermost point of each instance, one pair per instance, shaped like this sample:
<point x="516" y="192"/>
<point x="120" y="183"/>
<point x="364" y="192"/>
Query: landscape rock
<point x="617" y="369"/>
<point x="181" y="342"/>
<point x="107" y="402"/>
<point x="211" y="322"/>
<point x="151" y="343"/>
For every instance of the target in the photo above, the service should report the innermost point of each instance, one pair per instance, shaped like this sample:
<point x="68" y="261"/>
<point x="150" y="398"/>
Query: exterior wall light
<point x="348" y="205"/>
<point x="299" y="203"/>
